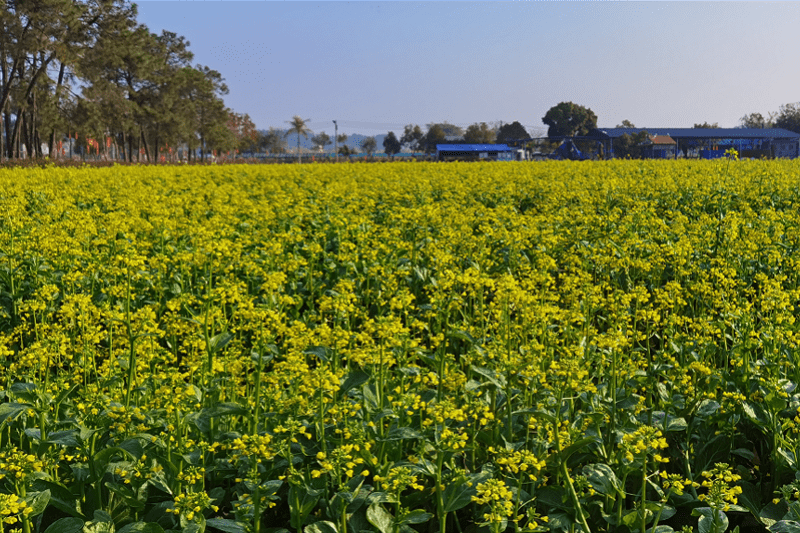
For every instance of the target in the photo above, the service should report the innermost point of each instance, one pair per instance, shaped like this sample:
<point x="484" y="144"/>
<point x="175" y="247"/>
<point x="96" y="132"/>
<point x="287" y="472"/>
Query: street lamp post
<point x="336" y="140"/>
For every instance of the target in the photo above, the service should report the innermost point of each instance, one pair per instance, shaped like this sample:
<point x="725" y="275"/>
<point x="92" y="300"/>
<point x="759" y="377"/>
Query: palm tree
<point x="298" y="126"/>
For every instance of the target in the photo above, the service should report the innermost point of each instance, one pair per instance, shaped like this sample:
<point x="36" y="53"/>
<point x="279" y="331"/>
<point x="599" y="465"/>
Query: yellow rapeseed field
<point x="602" y="346"/>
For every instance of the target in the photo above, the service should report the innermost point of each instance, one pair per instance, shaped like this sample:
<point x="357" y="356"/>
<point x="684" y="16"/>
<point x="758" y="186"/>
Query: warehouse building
<point x="706" y="143"/>
<point x="474" y="152"/>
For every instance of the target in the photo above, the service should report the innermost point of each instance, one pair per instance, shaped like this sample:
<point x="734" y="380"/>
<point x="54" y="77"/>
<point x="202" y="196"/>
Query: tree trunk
<point x="52" y="144"/>
<point x="146" y="148"/>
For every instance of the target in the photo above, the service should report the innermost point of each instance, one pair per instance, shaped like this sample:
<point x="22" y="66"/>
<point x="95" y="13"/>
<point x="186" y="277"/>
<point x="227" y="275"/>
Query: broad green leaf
<point x="354" y="379"/>
<point x="302" y="501"/>
<point x="602" y="478"/>
<point x="401" y="433"/>
<point x="218" y="342"/>
<point x="320" y="352"/>
<point x="498" y="380"/>
<point x="65" y="525"/>
<point x="706" y="522"/>
<point x="26" y="391"/>
<point x="707" y="408"/>
<point x="321" y="527"/>
<point x="380" y="518"/>
<point x="458" y="494"/>
<point x="142" y="527"/>
<point x="661" y="529"/>
<point x="417" y="516"/>
<point x="10" y="411"/>
<point x="785" y="526"/>
<point x="676" y="424"/>
<point x="576" y="446"/>
<point x="37" y="502"/>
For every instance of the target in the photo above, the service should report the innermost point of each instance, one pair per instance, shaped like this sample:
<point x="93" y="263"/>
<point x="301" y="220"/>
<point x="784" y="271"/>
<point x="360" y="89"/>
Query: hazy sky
<point x="376" y="66"/>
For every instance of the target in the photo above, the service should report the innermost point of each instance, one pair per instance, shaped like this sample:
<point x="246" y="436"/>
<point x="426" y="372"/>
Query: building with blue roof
<point x="474" y="152"/>
<point x="709" y="143"/>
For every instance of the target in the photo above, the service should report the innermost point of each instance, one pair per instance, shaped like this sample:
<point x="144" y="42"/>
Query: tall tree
<point x="391" y="145"/>
<point x="412" y="137"/>
<point x="789" y="117"/>
<point x="479" y="134"/>
<point x="629" y="146"/>
<point x="243" y="131"/>
<point x="706" y="126"/>
<point x="272" y="141"/>
<point x="321" y="140"/>
<point x="368" y="145"/>
<point x="568" y="119"/>
<point x="299" y="127"/>
<point x="757" y="121"/>
<point x="449" y="130"/>
<point x="511" y="132"/>
<point x="434" y="136"/>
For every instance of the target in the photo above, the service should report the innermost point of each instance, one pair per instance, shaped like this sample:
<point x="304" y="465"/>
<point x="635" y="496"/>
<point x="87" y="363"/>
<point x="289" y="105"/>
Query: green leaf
<point x="321" y="527"/>
<point x="754" y="413"/>
<point x="225" y="524"/>
<point x="64" y="438"/>
<point x="60" y="497"/>
<point x="26" y="391"/>
<point x="661" y="529"/>
<point x="633" y="518"/>
<point x="785" y="526"/>
<point x="127" y="495"/>
<point x="380" y="518"/>
<point x="381" y="497"/>
<point x="417" y="516"/>
<point x="354" y="379"/>
<point x="576" y="446"/>
<point x="603" y="479"/>
<point x="321" y="352"/>
<point x="65" y="525"/>
<point x="458" y="494"/>
<point x="37" y="501"/>
<point x="306" y="499"/>
<point x="401" y="433"/>
<point x="10" y="411"/>
<point x="676" y="424"/>
<point x="498" y="380"/>
<point x="142" y="527"/>
<point x="218" y="342"/>
<point x="707" y="408"/>
<point x="706" y="522"/>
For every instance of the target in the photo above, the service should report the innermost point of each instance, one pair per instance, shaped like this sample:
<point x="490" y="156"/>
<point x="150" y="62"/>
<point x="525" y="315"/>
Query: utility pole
<point x="336" y="140"/>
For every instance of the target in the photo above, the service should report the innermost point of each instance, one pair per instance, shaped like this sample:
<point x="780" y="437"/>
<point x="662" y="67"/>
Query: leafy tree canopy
<point x="513" y="131"/>
<point x="391" y="145"/>
<point x="480" y="134"/>
<point x="569" y="119"/>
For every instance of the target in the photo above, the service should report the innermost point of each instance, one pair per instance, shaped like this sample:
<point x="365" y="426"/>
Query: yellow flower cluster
<point x="190" y="505"/>
<point x="676" y="483"/>
<point x="721" y="493"/>
<point x="498" y="497"/>
<point x="342" y="461"/>
<point x="398" y="479"/>
<point x="518" y="461"/>
<point x="19" y="467"/>
<point x="10" y="508"/>
<point x="645" y="440"/>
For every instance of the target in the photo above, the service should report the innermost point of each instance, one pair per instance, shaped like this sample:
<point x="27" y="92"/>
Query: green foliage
<point x="568" y="119"/>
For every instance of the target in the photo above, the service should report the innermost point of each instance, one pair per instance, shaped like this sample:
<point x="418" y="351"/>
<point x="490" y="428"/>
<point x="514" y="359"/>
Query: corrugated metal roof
<point x="701" y="133"/>
<point x="661" y="139"/>
<point x="473" y="148"/>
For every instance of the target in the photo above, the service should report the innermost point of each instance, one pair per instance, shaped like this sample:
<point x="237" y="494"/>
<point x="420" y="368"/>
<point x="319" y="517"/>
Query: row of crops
<point x="390" y="348"/>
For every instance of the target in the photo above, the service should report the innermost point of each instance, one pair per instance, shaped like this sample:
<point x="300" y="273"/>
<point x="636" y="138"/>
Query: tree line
<point x="84" y="75"/>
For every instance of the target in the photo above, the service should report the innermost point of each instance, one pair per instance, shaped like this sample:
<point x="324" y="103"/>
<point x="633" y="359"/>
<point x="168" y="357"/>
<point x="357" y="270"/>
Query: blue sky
<point x="376" y="66"/>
